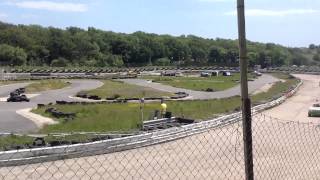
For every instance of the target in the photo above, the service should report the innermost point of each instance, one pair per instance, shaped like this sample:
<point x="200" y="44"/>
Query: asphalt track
<point x="200" y="95"/>
<point x="11" y="122"/>
<point x="282" y="150"/>
<point x="296" y="108"/>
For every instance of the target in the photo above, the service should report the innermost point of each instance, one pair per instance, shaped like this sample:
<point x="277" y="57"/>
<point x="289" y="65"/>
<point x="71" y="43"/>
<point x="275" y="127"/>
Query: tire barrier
<point x="180" y="95"/>
<point x="103" y="73"/>
<point x="38" y="155"/>
<point x="295" y="69"/>
<point x="39" y="71"/>
<point x="58" y="114"/>
<point x="91" y="71"/>
<point x="177" y="96"/>
<point x="165" y="123"/>
<point x="120" y="101"/>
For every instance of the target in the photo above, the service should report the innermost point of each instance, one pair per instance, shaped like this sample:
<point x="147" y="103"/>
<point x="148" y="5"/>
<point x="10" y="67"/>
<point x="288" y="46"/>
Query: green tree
<point x="162" y="62"/>
<point x="60" y="62"/>
<point x="217" y="55"/>
<point x="252" y="59"/>
<point x="12" y="55"/>
<point x="316" y="57"/>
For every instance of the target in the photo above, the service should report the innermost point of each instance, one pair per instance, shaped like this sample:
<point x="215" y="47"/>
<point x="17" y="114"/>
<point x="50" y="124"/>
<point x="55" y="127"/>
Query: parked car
<point x="205" y="74"/>
<point x="257" y="73"/>
<point x="314" y="111"/>
<point x="226" y="73"/>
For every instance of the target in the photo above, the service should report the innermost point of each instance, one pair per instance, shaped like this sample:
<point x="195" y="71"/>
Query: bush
<point x="12" y="55"/>
<point x="162" y="62"/>
<point x="60" y="62"/>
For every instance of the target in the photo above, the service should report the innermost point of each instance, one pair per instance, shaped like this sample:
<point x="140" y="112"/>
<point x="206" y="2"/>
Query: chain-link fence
<point x="282" y="150"/>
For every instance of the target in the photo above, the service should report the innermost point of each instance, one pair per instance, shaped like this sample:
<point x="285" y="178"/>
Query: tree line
<point x="34" y="45"/>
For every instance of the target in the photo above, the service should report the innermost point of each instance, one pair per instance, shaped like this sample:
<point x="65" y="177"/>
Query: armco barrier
<point x="29" y="156"/>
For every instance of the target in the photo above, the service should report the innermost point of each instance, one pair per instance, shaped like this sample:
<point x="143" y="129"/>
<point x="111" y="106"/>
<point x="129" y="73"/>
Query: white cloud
<point x="29" y="16"/>
<point x="51" y="6"/>
<point x="3" y="16"/>
<point x="279" y="13"/>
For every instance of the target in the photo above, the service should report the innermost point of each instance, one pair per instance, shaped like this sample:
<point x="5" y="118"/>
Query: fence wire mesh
<point x="282" y="150"/>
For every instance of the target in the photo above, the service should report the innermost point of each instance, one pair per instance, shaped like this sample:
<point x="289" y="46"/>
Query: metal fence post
<point x="246" y="104"/>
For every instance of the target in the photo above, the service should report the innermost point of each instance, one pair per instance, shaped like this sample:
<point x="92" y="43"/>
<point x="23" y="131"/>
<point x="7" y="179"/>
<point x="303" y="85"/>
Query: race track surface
<point x="11" y="122"/>
<point x="6" y="89"/>
<point x="253" y="86"/>
<point x="296" y="108"/>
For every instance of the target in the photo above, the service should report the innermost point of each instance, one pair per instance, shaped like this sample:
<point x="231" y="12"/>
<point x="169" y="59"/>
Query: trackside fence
<point x="282" y="150"/>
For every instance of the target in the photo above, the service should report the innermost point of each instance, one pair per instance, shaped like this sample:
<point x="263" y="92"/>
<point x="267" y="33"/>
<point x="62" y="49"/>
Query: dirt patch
<point x="40" y="121"/>
<point x="263" y="89"/>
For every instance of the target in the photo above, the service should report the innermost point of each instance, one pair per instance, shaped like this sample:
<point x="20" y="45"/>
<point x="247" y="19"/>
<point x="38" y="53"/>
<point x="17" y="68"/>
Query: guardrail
<point x="151" y="68"/>
<point x="29" y="156"/>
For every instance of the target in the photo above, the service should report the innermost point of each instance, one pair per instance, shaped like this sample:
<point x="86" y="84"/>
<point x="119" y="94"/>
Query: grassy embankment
<point x="4" y="83"/>
<point x="122" y="90"/>
<point x="7" y="82"/>
<point x="114" y="117"/>
<point x="39" y="85"/>
<point x="17" y="142"/>
<point x="277" y="89"/>
<point x="218" y="83"/>
<point x="45" y="85"/>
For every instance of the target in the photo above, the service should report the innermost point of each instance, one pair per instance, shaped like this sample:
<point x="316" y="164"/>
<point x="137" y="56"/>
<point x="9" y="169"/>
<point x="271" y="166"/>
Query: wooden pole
<point x="246" y="104"/>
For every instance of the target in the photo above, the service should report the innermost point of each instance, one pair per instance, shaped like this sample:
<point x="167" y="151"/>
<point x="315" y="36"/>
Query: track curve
<point x="11" y="122"/>
<point x="200" y="95"/>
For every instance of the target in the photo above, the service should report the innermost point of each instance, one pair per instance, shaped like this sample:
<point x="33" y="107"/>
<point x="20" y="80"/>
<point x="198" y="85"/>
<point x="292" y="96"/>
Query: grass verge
<point x="13" y="142"/>
<point x="44" y="85"/>
<point x="123" y="90"/>
<point x="219" y="83"/>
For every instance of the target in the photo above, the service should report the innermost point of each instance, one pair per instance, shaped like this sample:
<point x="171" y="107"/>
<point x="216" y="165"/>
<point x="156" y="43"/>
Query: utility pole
<point x="246" y="104"/>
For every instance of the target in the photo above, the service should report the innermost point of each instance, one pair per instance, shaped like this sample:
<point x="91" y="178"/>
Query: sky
<point x="294" y="23"/>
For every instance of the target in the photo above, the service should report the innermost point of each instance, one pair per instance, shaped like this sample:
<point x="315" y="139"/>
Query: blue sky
<point x="286" y="22"/>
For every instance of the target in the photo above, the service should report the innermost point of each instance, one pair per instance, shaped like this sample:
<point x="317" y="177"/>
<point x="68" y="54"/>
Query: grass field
<point x="13" y="140"/>
<point x="124" y="117"/>
<point x="16" y="142"/>
<point x="4" y="83"/>
<point x="44" y="85"/>
<point x="123" y="90"/>
<point x="219" y="83"/>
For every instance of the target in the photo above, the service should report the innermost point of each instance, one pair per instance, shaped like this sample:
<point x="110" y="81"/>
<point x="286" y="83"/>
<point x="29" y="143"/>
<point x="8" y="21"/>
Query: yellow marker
<point x="163" y="108"/>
